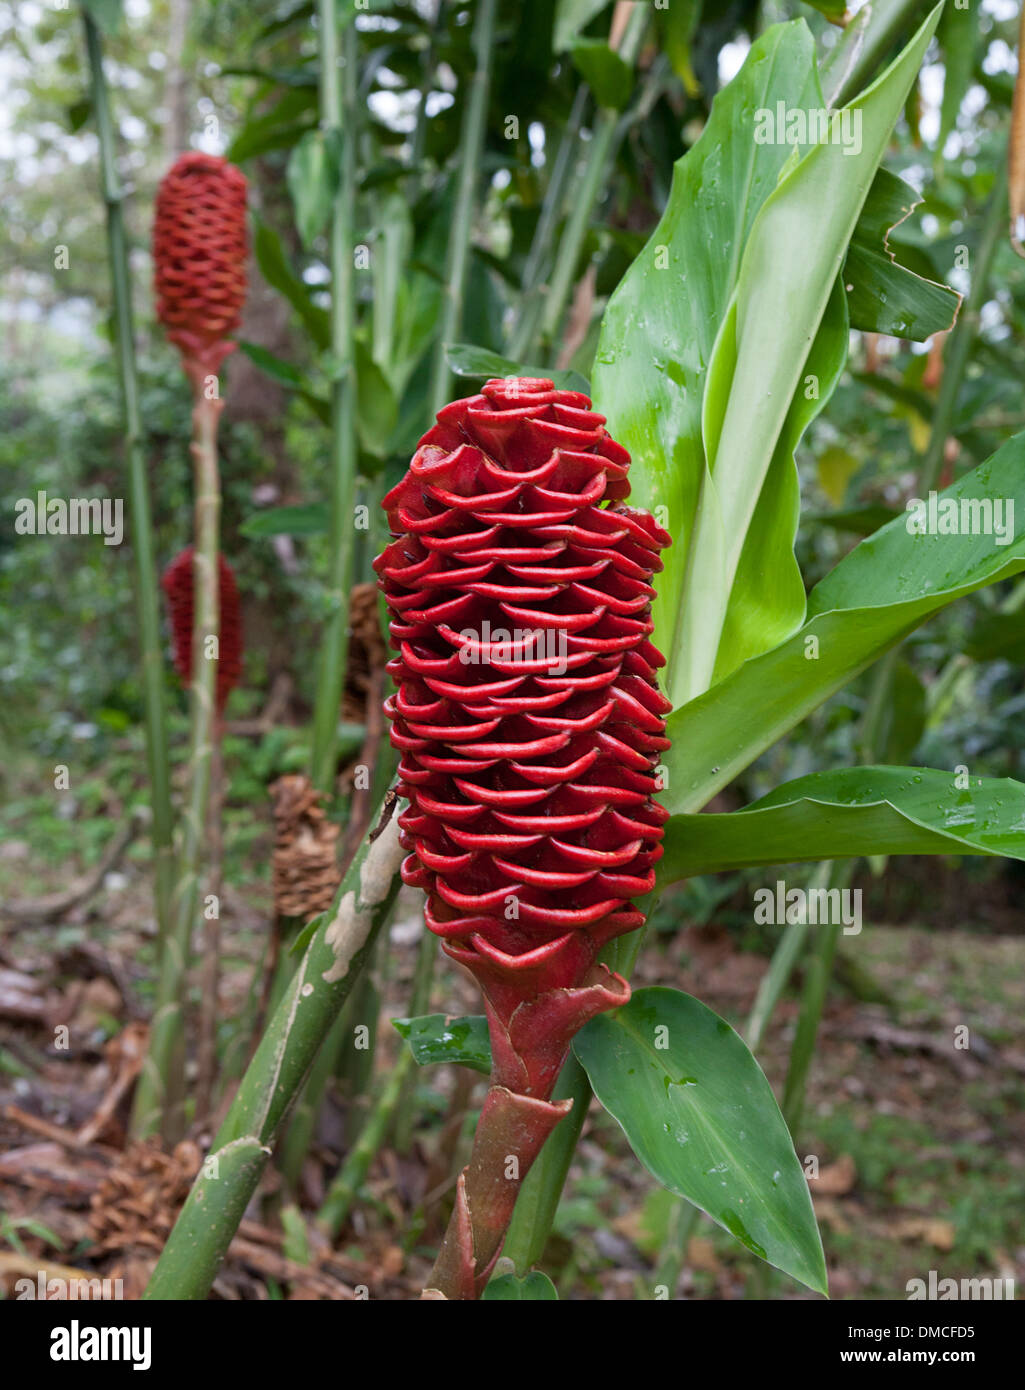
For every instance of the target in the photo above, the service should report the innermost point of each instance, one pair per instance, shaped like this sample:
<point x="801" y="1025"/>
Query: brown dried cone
<point x="136" y="1202"/>
<point x="306" y="873"/>
<point x="367" y="651"/>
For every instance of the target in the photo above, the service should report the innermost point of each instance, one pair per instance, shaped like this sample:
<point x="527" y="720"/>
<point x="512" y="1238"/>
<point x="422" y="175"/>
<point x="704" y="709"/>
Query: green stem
<point x="958" y="346"/>
<point x="539" y="1196"/>
<point x="330" y="966"/>
<point x="350" y="1177"/>
<point x="774" y="981"/>
<point x="420" y="1003"/>
<point x="461" y="227"/>
<point x="158" y="1096"/>
<point x="816" y="986"/>
<point x="605" y="137"/>
<point x="338" y="102"/>
<point x="682" y="1221"/>
<point x="532" y="302"/>
<point x="146" y="598"/>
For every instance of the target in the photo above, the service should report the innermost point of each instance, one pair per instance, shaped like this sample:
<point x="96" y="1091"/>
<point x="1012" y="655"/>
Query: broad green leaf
<point x="609" y="77"/>
<point x="661" y="323"/>
<point x="480" y="363"/>
<point x="571" y="16"/>
<point x="851" y="812"/>
<point x="879" y="593"/>
<point x="312" y="176"/>
<point x="534" y="1287"/>
<point x="884" y="296"/>
<point x="760" y="364"/>
<point x="701" y="1117"/>
<point x="436" y="1038"/>
<point x="273" y="263"/>
<point x="311" y="519"/>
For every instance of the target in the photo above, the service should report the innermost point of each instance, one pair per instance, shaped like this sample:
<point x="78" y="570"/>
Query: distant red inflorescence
<point x="178" y="584"/>
<point x="528" y="714"/>
<point x="200" y="247"/>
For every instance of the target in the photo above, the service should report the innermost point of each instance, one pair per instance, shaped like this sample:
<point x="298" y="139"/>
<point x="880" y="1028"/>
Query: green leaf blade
<point x="700" y="1115"/>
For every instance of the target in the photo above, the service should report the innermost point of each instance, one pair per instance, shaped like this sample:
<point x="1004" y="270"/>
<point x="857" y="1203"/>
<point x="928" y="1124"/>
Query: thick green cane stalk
<point x="958" y="345"/>
<point x="532" y="302"/>
<point x="146" y="597"/>
<point x="158" y="1096"/>
<point x="338" y="104"/>
<point x="331" y="963"/>
<point x="471" y="145"/>
<point x="605" y="138"/>
<point x="426" y="959"/>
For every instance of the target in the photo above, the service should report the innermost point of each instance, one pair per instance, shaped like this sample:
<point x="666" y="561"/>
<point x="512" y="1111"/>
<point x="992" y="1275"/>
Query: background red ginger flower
<point x="200" y="247"/>
<point x="531" y="823"/>
<point x="178" y="584"/>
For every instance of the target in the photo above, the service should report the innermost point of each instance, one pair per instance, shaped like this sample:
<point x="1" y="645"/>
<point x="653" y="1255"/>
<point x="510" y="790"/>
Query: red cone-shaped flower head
<point x="528" y="713"/>
<point x="178" y="584"/>
<point x="199" y="256"/>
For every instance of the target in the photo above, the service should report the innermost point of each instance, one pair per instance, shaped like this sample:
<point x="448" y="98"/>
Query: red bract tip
<point x="178" y="584"/>
<point x="528" y="714"/>
<point x="199" y="256"/>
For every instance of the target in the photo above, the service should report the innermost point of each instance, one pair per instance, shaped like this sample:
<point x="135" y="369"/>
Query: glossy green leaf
<point x="273" y="263"/>
<point x="480" y="363"/>
<point x="879" y="593"/>
<point x="434" y="1038"/>
<point x="884" y="296"/>
<point x="312" y="176"/>
<point x="661" y="323"/>
<point x="701" y="1117"/>
<point x="609" y="77"/>
<point x="534" y="1287"/>
<point x="310" y="519"/>
<point x="761" y="368"/>
<point x="850" y="812"/>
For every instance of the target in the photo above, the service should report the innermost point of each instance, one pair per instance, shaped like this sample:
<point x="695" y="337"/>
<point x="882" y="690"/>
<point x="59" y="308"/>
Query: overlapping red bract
<point x="199" y="255"/>
<point x="531" y="823"/>
<point x="178" y="584"/>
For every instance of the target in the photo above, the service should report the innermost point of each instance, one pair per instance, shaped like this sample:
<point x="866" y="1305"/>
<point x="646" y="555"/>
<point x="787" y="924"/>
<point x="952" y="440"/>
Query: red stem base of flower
<point x="510" y="1134"/>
